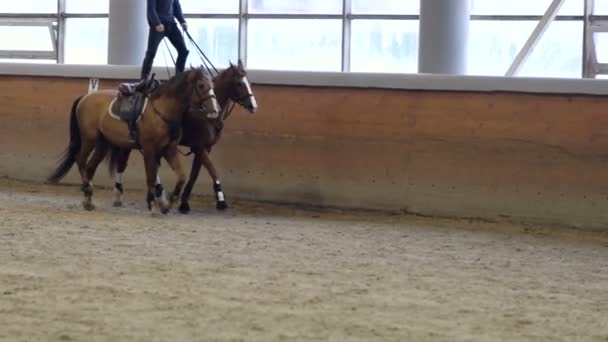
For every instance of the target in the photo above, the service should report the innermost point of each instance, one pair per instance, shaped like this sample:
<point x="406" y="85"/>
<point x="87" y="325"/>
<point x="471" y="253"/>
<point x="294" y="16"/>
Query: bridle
<point x="202" y="99"/>
<point x="236" y="100"/>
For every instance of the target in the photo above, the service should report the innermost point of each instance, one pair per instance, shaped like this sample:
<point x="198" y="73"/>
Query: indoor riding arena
<point x="395" y="170"/>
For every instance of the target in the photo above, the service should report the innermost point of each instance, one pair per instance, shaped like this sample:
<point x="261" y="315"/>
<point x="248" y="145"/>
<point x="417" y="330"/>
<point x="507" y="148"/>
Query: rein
<point x="206" y="61"/>
<point x="165" y="56"/>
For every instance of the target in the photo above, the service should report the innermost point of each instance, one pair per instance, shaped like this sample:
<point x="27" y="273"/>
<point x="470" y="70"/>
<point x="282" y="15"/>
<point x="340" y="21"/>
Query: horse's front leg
<point x="154" y="196"/>
<point x="172" y="158"/>
<point x="184" y="207"/>
<point x="217" y="185"/>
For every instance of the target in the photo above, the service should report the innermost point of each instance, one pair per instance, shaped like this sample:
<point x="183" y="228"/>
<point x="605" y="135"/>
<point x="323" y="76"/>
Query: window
<point x="493" y="45"/>
<point x="200" y="7"/>
<point x="87" y="6"/>
<point x="558" y="53"/>
<point x="601" y="47"/>
<point x="295" y="44"/>
<point x="386" y="7"/>
<point x="29" y="6"/>
<point x="26" y="38"/>
<point x="292" y="7"/>
<point x="218" y="38"/>
<point x="384" y="46"/>
<point x="86" y="41"/>
<point x="601" y="8"/>
<point x="523" y="7"/>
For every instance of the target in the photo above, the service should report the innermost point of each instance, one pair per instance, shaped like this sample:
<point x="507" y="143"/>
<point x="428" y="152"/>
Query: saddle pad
<point x="127" y="108"/>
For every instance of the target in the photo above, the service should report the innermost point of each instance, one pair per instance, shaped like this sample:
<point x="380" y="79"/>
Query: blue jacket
<point x="163" y="12"/>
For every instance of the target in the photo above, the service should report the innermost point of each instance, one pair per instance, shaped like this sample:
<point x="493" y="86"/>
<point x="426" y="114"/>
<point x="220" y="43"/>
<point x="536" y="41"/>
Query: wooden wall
<point x="528" y="157"/>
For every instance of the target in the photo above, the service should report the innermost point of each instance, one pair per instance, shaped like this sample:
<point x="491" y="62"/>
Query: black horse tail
<point x="69" y="155"/>
<point x="113" y="157"/>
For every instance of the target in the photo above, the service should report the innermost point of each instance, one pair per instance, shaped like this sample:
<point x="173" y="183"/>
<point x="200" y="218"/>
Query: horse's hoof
<point x="88" y="205"/>
<point x="184" y="208"/>
<point x="165" y="210"/>
<point x="117" y="203"/>
<point x="221" y="205"/>
<point x="153" y="210"/>
<point x="164" y="204"/>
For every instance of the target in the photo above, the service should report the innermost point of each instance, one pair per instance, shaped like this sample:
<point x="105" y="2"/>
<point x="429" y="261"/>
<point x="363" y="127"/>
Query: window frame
<point x="347" y="16"/>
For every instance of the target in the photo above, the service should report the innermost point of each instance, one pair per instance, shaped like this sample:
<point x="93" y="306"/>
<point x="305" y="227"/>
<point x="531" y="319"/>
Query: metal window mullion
<point x="86" y="15"/>
<point x="589" y="54"/>
<point x="53" y="36"/>
<point x="243" y="21"/>
<point x="34" y="16"/>
<point x="346" y="30"/>
<point x="211" y="16"/>
<point x="27" y="21"/>
<point x="293" y="16"/>
<point x="61" y="31"/>
<point x="27" y="54"/>
<point x="536" y="35"/>
<point x="509" y="17"/>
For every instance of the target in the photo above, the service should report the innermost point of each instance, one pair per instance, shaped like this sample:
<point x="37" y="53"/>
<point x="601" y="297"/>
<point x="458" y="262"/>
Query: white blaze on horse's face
<point x="214" y="111"/>
<point x="254" y="104"/>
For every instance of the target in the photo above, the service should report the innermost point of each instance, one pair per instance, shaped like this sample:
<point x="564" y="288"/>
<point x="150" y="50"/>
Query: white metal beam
<point x="27" y="22"/>
<point x="346" y="29"/>
<point x="25" y="54"/>
<point x="528" y="47"/>
<point x="243" y="23"/>
<point x="61" y="31"/>
<point x="53" y="38"/>
<point x="589" y="54"/>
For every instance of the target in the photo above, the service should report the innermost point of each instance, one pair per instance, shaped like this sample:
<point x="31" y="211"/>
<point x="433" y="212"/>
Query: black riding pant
<point x="177" y="40"/>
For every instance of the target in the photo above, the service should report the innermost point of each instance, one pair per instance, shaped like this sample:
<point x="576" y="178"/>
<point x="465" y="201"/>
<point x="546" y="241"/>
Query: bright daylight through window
<point x="308" y="34"/>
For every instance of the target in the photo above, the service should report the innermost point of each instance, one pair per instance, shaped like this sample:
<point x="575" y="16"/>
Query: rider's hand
<point x="160" y="28"/>
<point x="185" y="26"/>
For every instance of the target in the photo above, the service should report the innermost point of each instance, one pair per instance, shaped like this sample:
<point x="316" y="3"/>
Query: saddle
<point x="130" y="101"/>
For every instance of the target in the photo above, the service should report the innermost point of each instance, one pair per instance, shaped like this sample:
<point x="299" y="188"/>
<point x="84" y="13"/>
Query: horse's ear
<point x="193" y="74"/>
<point x="241" y="64"/>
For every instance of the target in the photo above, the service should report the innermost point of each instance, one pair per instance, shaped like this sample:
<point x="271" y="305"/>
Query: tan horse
<point x="94" y="127"/>
<point x="201" y="134"/>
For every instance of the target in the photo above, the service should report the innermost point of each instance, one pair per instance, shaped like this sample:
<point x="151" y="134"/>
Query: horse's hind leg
<point x="101" y="149"/>
<point x="123" y="158"/>
<point x="81" y="161"/>
<point x="82" y="157"/>
<point x="173" y="159"/>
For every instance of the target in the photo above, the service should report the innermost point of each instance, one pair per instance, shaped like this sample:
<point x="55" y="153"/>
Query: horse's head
<point x="203" y="99"/>
<point x="239" y="88"/>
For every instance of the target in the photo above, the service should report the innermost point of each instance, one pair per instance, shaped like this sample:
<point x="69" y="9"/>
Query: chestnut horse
<point x="201" y="134"/>
<point x="94" y="126"/>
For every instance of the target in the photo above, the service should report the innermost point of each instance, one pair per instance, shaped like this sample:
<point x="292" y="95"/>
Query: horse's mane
<point x="175" y="86"/>
<point x="230" y="70"/>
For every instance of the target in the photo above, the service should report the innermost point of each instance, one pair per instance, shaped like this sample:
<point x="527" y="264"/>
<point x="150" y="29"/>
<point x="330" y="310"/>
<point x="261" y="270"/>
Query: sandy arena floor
<point x="267" y="273"/>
